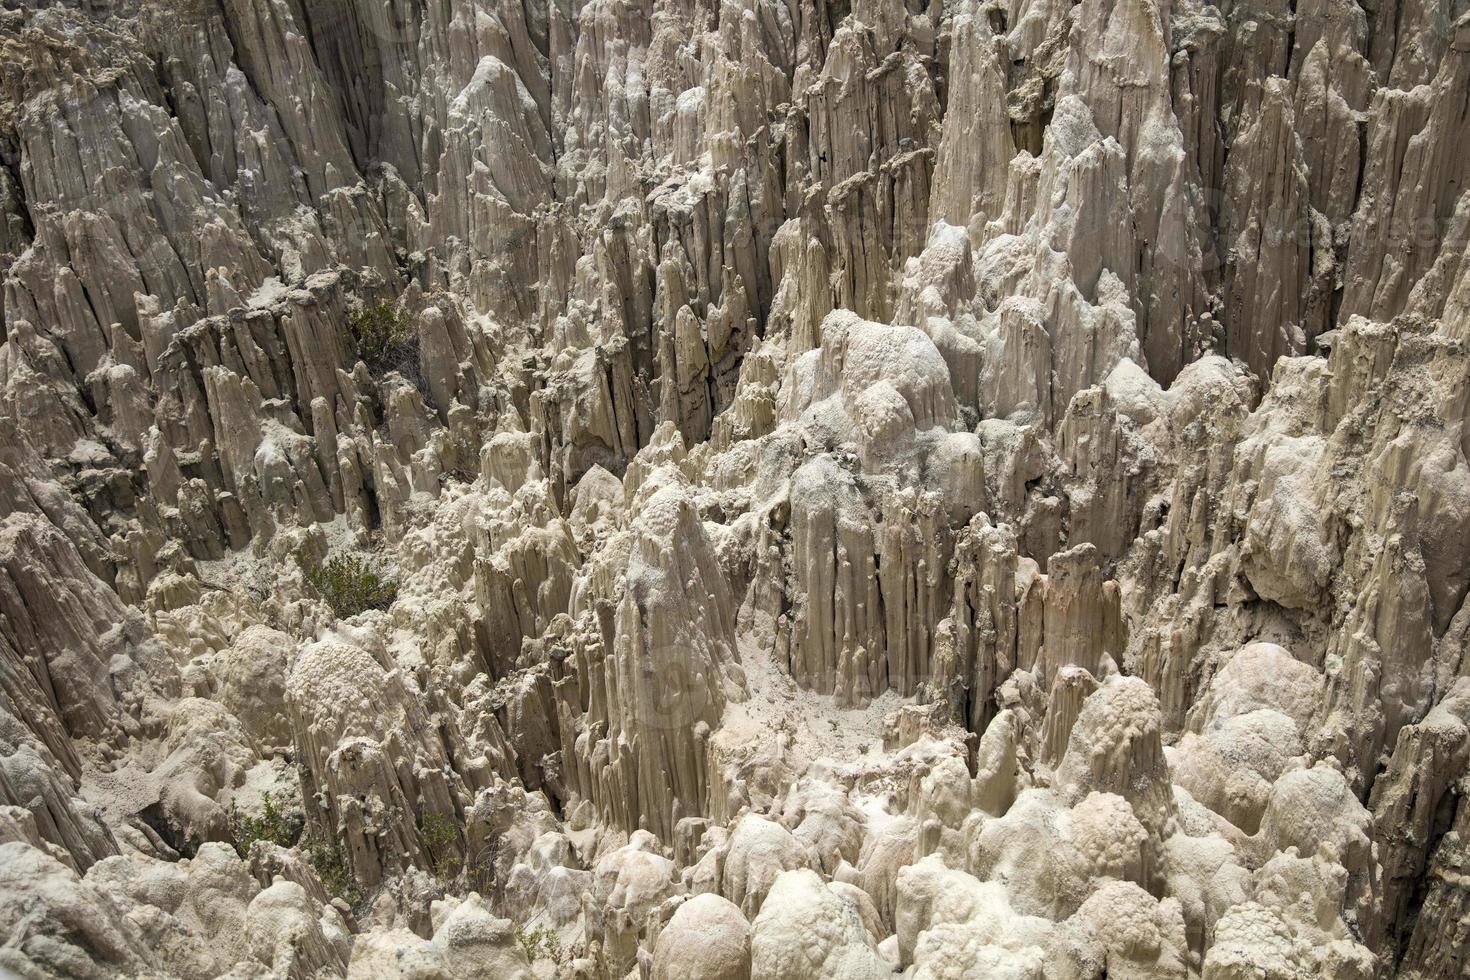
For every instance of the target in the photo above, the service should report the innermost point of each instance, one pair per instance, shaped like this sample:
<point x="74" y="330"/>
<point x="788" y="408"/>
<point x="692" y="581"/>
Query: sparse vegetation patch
<point x="348" y="584"/>
<point x="274" y="825"/>
<point x="385" y="339"/>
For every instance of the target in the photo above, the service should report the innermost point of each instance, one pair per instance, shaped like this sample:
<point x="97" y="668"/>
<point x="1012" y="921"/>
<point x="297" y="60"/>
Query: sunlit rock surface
<point x="837" y="490"/>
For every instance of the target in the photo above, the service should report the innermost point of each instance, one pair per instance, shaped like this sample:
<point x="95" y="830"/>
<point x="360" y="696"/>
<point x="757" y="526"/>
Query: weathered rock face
<point x="657" y="691"/>
<point x="743" y="490"/>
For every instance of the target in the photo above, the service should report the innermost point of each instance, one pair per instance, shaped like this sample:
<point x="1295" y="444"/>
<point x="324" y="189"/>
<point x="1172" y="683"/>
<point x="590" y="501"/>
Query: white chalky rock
<point x="707" y="939"/>
<point x="808" y="930"/>
<point x="650" y="488"/>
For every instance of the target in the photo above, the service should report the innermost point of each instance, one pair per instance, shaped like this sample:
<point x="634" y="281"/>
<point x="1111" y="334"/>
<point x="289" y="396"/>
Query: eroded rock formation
<point x="753" y="490"/>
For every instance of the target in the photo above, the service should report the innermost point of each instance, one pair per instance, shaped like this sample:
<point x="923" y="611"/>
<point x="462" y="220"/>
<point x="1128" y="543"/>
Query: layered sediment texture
<point x="740" y="489"/>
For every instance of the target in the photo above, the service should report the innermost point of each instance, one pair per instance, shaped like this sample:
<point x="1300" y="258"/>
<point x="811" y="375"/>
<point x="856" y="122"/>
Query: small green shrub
<point x="348" y="584"/>
<point x="540" y="942"/>
<point x="480" y="863"/>
<point x="441" y="841"/>
<point x="273" y="825"/>
<point x="330" y="861"/>
<point x="384" y="337"/>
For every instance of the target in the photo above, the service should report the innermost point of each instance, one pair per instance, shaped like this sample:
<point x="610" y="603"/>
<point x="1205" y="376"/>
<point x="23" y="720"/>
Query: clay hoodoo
<point x="746" y="491"/>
